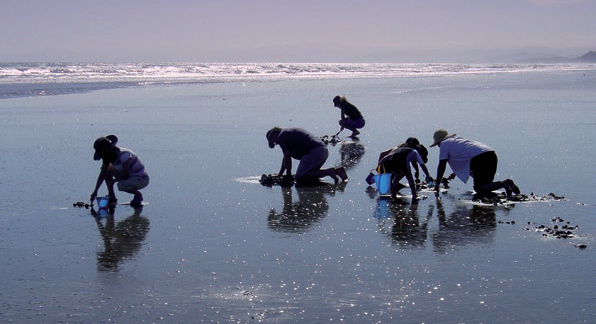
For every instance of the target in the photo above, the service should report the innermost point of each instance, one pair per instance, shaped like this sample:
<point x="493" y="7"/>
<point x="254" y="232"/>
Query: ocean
<point x="41" y="79"/>
<point x="213" y="245"/>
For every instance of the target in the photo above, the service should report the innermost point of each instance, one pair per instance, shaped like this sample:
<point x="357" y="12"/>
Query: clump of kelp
<point x="501" y="199"/>
<point x="559" y="229"/>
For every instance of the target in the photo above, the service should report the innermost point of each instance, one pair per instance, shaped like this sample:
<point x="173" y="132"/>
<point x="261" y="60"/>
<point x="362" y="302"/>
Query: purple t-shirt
<point x="298" y="142"/>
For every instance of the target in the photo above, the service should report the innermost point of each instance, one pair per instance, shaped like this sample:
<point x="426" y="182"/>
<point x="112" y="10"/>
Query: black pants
<point x="483" y="168"/>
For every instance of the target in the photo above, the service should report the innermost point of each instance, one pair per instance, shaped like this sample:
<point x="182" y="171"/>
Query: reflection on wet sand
<point x="466" y="224"/>
<point x="122" y="240"/>
<point x="406" y="231"/>
<point x="351" y="153"/>
<point x="310" y="208"/>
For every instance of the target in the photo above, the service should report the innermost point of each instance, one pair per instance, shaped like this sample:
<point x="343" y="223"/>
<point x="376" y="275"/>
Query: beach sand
<point x="213" y="247"/>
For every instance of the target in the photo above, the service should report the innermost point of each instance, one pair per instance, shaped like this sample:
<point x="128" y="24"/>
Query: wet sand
<point x="213" y="247"/>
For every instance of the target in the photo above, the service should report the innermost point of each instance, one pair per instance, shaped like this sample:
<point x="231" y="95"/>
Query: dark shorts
<point x="483" y="168"/>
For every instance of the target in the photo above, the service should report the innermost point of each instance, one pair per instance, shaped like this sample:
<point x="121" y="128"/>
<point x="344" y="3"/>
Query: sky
<point x="293" y="31"/>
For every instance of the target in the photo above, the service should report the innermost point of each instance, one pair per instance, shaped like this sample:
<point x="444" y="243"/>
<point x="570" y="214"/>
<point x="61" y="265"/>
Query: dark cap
<point x="270" y="134"/>
<point x="103" y="145"/>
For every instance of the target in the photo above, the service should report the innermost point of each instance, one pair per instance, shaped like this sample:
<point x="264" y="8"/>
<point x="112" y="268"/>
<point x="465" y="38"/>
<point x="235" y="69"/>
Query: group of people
<point x="123" y="167"/>
<point x="466" y="158"/>
<point x="398" y="160"/>
<point x="310" y="150"/>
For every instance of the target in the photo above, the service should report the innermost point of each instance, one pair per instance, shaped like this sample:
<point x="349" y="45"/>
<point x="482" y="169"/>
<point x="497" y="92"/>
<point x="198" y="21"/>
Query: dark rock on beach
<point x="556" y="230"/>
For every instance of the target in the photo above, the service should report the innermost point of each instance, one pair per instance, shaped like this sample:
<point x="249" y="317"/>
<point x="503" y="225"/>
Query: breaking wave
<point x="34" y="75"/>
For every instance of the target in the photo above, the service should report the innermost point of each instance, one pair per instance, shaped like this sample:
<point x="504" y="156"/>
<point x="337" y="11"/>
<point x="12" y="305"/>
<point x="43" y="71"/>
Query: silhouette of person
<point x="119" y="165"/>
<point x="351" y="117"/>
<point x="311" y="151"/>
<point x="469" y="158"/>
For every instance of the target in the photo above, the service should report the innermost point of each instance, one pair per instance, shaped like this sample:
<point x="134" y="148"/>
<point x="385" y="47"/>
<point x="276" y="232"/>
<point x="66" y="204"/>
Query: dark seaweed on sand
<point x="269" y="180"/>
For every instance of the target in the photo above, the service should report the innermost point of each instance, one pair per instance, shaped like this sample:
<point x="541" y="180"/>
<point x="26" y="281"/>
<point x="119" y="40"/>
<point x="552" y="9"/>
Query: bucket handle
<point x="379" y="169"/>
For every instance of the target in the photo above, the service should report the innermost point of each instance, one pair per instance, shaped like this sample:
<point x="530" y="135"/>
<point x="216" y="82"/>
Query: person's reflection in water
<point x="310" y="208"/>
<point x="351" y="153"/>
<point x="122" y="240"/>
<point x="406" y="231"/>
<point x="466" y="225"/>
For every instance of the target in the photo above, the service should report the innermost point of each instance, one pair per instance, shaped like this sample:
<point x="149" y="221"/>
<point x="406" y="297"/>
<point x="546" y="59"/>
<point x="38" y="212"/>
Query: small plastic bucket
<point x="370" y="179"/>
<point x="383" y="183"/>
<point x="102" y="202"/>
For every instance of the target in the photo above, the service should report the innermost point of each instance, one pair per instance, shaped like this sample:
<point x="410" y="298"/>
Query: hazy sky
<point x="285" y="31"/>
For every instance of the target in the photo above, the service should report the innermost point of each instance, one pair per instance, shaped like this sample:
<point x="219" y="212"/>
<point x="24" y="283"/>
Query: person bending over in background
<point x="351" y="118"/>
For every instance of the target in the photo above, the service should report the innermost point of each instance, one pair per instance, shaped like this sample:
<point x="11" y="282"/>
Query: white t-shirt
<point x="459" y="152"/>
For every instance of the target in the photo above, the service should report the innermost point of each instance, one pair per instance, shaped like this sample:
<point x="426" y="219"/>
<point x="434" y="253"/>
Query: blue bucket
<point x="103" y="202"/>
<point x="383" y="183"/>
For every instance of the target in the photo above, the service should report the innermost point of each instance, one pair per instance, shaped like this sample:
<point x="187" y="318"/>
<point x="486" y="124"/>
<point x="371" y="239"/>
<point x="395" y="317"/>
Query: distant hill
<point x="589" y="57"/>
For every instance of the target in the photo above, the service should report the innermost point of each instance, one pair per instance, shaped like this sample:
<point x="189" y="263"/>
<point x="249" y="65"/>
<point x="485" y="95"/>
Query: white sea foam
<point x="14" y="74"/>
<point x="197" y="72"/>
